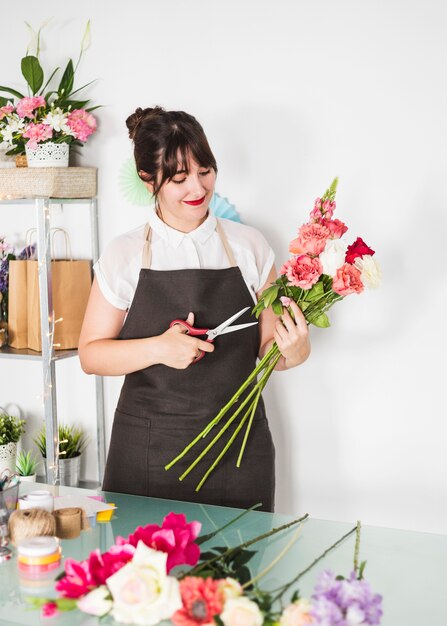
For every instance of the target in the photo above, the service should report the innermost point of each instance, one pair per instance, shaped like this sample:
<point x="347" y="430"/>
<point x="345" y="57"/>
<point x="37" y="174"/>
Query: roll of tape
<point x="69" y="522"/>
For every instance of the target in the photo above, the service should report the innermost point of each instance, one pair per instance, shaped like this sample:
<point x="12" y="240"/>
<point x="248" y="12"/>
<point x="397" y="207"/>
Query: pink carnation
<point x="336" y="227"/>
<point x="37" y="133"/>
<point x="101" y="566"/>
<point x="27" y="106"/>
<point x="175" y="537"/>
<point x="311" y="239"/>
<point x="347" y="280"/>
<point x="78" y="579"/>
<point x="4" y="111"/>
<point x="302" y="271"/>
<point x="202" y="600"/>
<point x="82" y="124"/>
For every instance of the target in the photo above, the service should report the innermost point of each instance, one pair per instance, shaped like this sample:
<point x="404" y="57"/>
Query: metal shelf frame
<point x="49" y="356"/>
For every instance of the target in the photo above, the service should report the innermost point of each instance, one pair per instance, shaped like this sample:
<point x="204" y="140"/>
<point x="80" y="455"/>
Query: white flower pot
<point x="48" y="155"/>
<point x="28" y="479"/>
<point x="8" y="454"/>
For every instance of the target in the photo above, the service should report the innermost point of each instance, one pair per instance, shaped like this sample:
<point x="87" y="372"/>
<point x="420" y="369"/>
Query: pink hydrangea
<point x="26" y="106"/>
<point x="6" y="110"/>
<point x="311" y="239"/>
<point x="347" y="280"/>
<point x="82" y="124"/>
<point x="302" y="271"/>
<point x="175" y="537"/>
<point x="37" y="133"/>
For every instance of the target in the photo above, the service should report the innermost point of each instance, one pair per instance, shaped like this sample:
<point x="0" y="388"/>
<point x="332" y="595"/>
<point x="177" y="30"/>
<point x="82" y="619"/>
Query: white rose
<point x="142" y="591"/>
<point x="97" y="602"/>
<point x="241" y="612"/>
<point x="370" y="271"/>
<point x="296" y="614"/>
<point x="333" y="256"/>
<point x="230" y="588"/>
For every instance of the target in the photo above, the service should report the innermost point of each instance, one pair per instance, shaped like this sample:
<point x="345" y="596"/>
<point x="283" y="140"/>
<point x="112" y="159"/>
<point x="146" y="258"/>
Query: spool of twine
<point x="70" y="521"/>
<point x="30" y="523"/>
<point x="21" y="160"/>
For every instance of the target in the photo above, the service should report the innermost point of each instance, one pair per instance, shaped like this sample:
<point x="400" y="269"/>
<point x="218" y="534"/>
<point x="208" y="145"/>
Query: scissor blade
<point x="230" y="329"/>
<point x="218" y="330"/>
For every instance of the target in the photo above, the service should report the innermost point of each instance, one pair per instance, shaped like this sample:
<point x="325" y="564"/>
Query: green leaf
<point x="32" y="72"/>
<point x="83" y="86"/>
<point x="243" y="575"/>
<point x="322" y="321"/>
<point x="75" y="104"/>
<point x="3" y="101"/>
<point x="67" y="79"/>
<point x="361" y="570"/>
<point x="315" y="292"/>
<point x="243" y="557"/>
<point x="90" y="109"/>
<point x="48" y="82"/>
<point x="15" y="93"/>
<point x="277" y="307"/>
<point x="269" y="295"/>
<point x="303" y="305"/>
<point x="66" y="604"/>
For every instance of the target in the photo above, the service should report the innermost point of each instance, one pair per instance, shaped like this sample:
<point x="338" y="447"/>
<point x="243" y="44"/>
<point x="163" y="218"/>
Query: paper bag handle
<point x="32" y="232"/>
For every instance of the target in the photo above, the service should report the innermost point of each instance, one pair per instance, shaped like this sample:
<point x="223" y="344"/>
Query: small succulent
<point x="26" y="463"/>
<point x="72" y="442"/>
<point x="11" y="428"/>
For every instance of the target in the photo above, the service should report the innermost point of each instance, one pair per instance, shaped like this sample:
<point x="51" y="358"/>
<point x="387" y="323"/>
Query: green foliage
<point x="72" y="441"/>
<point x="225" y="563"/>
<point x="11" y="428"/>
<point x="330" y="192"/>
<point x="32" y="73"/>
<point x="26" y="463"/>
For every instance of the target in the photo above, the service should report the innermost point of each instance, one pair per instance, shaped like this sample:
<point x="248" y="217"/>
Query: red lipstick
<point x="195" y="202"/>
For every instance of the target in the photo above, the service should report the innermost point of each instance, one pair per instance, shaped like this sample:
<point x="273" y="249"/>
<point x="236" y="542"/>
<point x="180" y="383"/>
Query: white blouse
<point x="118" y="268"/>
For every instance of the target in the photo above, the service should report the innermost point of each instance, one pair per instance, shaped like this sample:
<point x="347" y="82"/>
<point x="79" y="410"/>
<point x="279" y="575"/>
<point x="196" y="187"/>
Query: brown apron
<point x="161" y="409"/>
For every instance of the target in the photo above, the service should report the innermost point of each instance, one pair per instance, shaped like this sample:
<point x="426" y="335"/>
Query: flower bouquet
<point x="322" y="271"/>
<point x="134" y="583"/>
<point x="46" y="114"/>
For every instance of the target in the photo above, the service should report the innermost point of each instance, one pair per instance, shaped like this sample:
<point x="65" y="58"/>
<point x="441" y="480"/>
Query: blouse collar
<point x="174" y="237"/>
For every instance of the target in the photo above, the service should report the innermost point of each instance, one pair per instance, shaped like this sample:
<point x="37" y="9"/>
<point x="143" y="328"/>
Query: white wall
<point x="291" y="94"/>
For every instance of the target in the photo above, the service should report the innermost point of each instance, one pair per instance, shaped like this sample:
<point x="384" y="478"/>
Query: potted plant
<point x="11" y="429"/>
<point x="72" y="442"/>
<point x="26" y="465"/>
<point x="44" y="124"/>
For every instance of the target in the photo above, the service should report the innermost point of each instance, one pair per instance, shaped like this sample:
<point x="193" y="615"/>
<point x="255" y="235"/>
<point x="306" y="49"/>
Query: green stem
<point x="285" y="587"/>
<point x="357" y="547"/>
<point x="209" y="536"/>
<point x="198" y="568"/>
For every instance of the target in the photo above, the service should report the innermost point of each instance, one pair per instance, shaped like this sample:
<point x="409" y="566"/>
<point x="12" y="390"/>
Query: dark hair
<point x="159" y="138"/>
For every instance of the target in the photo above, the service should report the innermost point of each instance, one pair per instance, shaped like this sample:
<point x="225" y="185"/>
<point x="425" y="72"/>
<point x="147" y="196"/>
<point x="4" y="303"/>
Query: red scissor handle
<point x="194" y="332"/>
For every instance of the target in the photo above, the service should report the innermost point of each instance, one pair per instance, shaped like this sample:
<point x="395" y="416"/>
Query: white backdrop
<point x="290" y="95"/>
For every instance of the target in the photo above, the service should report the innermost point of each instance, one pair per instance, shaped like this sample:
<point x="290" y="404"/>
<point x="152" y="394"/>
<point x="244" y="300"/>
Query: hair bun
<point x="134" y="120"/>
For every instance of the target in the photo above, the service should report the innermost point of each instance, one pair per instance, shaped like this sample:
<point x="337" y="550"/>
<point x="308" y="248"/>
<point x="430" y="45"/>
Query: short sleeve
<point x="265" y="258"/>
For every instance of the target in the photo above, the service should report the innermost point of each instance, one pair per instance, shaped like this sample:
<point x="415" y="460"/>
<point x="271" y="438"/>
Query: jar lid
<point x="38" y="546"/>
<point x="38" y="495"/>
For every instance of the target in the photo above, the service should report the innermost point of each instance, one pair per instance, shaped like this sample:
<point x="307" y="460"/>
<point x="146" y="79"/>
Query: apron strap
<point x="147" y="248"/>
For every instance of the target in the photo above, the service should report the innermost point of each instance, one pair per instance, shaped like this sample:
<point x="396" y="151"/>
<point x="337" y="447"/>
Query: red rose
<point x="357" y="249"/>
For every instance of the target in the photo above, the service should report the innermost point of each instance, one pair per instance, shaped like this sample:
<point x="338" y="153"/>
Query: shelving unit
<point x="49" y="356"/>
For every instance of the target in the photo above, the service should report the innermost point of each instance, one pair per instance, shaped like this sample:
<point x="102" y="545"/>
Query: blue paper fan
<point x="221" y="207"/>
<point x="132" y="187"/>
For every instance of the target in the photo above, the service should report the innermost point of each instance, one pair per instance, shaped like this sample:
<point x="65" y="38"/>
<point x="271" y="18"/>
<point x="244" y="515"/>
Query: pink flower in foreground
<point x="78" y="580"/>
<point x="302" y="271"/>
<point x="175" y="537"/>
<point x="311" y="239"/>
<point x="26" y="106"/>
<point x="36" y="133"/>
<point x="347" y="280"/>
<point x="101" y="566"/>
<point x="6" y="110"/>
<point x="49" y="609"/>
<point x="336" y="227"/>
<point x="202" y="600"/>
<point x="82" y="124"/>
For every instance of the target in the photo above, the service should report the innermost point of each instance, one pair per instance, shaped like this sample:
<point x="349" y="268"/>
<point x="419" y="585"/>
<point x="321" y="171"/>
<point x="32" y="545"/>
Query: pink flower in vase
<point x="347" y="280"/>
<point x="6" y="110"/>
<point x="311" y="239"/>
<point x="82" y="124"/>
<point x="26" y="106"/>
<point x="37" y="133"/>
<point x="302" y="271"/>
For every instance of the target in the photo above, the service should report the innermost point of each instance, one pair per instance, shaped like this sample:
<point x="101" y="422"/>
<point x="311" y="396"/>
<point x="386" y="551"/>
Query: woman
<point x="184" y="264"/>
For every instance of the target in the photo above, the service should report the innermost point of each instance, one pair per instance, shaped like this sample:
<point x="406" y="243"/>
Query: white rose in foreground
<point x="333" y="256"/>
<point x="370" y="271"/>
<point x="97" y="602"/>
<point x="230" y="588"/>
<point x="241" y="612"/>
<point x="296" y="614"/>
<point x="142" y="591"/>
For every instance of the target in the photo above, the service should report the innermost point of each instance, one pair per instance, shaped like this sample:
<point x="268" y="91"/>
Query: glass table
<point x="407" y="568"/>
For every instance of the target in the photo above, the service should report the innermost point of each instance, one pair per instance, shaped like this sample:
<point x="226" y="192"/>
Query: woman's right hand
<point x="177" y="349"/>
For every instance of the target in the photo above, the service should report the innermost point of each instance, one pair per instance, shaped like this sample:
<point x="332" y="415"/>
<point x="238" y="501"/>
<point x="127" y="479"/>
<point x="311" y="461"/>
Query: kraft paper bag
<point x="71" y="283"/>
<point x="17" y="305"/>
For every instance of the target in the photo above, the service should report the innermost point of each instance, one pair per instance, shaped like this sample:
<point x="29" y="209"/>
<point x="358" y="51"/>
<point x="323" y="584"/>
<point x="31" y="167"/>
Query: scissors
<point x="212" y="333"/>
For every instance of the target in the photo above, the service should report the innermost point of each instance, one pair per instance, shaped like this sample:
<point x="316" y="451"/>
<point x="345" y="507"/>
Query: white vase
<point x="48" y="154"/>
<point x="28" y="479"/>
<point x="8" y="454"/>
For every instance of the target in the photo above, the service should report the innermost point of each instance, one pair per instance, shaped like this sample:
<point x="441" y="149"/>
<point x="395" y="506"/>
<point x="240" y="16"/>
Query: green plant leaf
<point x="15" y="93"/>
<point x="66" y="84"/>
<point x="322" y="321"/>
<point x="3" y="101"/>
<point x="277" y="307"/>
<point x="48" y="82"/>
<point x="90" y="109"/>
<point x="83" y="86"/>
<point x="315" y="292"/>
<point x="269" y="295"/>
<point x="32" y="72"/>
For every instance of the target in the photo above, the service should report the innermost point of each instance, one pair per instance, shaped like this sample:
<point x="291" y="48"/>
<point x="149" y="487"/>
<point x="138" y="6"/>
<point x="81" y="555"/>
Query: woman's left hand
<point x="292" y="336"/>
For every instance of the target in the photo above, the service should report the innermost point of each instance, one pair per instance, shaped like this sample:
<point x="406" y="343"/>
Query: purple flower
<point x="348" y="602"/>
<point x="27" y="253"/>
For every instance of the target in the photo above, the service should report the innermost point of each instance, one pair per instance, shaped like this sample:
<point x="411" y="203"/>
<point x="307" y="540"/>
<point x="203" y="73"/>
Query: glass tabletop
<point x="406" y="568"/>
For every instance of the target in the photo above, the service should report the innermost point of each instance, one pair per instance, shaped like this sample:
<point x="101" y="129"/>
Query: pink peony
<point x="347" y="280"/>
<point x="4" y="111"/>
<point x="336" y="227"/>
<point x="302" y="271"/>
<point x="49" y="609"/>
<point x="357" y="249"/>
<point x="175" y="537"/>
<point x="101" y="566"/>
<point x="202" y="600"/>
<point x="82" y="124"/>
<point x="37" y="133"/>
<point x="26" y="106"/>
<point x="77" y="581"/>
<point x="311" y="239"/>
